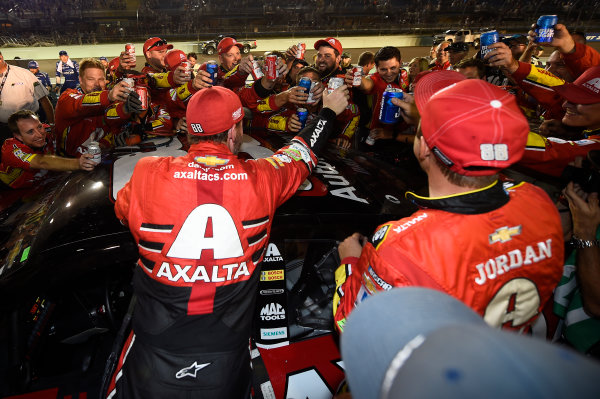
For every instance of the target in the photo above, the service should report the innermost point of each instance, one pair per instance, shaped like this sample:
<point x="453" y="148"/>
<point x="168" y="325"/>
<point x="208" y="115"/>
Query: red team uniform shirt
<point x="503" y="261"/>
<point x="15" y="168"/>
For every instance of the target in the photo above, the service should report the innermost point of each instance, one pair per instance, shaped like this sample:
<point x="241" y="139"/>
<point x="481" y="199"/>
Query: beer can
<point x="334" y="83"/>
<point x="257" y="72"/>
<point x="142" y="92"/>
<point x="305" y="83"/>
<point x="310" y="99"/>
<point x="211" y="68"/>
<point x="487" y="39"/>
<point x="302" y="115"/>
<point x="301" y="50"/>
<point x="357" y="76"/>
<point x="130" y="82"/>
<point x="188" y="67"/>
<point x="271" y="62"/>
<point x="545" y="28"/>
<point x="130" y="48"/>
<point x="390" y="113"/>
<point x="94" y="149"/>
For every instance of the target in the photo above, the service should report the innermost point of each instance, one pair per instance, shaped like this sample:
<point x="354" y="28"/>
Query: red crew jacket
<point x="501" y="254"/>
<point x="15" y="168"/>
<point x="82" y="118"/>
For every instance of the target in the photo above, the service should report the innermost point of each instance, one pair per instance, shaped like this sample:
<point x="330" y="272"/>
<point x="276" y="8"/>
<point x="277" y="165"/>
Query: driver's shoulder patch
<point x="380" y="235"/>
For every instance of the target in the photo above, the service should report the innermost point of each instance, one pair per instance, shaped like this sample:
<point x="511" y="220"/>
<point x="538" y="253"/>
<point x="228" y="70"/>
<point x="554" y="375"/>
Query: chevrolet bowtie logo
<point x="211" y="160"/>
<point x="504" y="234"/>
<point x="191" y="370"/>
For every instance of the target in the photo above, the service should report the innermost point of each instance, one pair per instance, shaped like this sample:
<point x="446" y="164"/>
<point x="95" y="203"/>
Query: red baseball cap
<point x="331" y="42"/>
<point x="584" y="90"/>
<point x="473" y="127"/>
<point x="114" y="64"/>
<point x="226" y="43"/>
<point x="174" y="58"/>
<point x="427" y="83"/>
<point x="212" y="111"/>
<point x="156" y="43"/>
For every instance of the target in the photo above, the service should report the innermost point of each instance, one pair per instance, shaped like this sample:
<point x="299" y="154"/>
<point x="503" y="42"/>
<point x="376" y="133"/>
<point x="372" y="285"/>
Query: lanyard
<point x="4" y="81"/>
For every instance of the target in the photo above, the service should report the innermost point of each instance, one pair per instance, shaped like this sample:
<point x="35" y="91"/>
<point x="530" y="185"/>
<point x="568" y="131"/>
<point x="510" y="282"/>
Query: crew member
<point x="498" y="248"/>
<point x="29" y="154"/>
<point x="200" y="255"/>
<point x="67" y="72"/>
<point x="84" y="115"/>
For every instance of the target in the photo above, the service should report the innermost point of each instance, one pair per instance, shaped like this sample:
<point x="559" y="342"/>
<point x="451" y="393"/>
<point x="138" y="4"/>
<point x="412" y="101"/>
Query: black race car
<point x="66" y="264"/>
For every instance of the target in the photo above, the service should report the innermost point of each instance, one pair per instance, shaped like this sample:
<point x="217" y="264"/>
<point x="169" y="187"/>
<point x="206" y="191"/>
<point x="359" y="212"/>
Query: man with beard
<point x="84" y="115"/>
<point x="29" y="154"/>
<point x="329" y="58"/>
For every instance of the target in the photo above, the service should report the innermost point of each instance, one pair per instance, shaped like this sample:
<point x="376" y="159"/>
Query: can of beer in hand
<point x="486" y="39"/>
<point x="305" y="83"/>
<point x="130" y="82"/>
<point x="334" y="83"/>
<point x="142" y="92"/>
<point x="302" y="115"/>
<point x="390" y="113"/>
<point x="130" y="49"/>
<point x="301" y="50"/>
<point x="545" y="28"/>
<point x="310" y="99"/>
<point x="188" y="68"/>
<point x="271" y="63"/>
<point x="257" y="72"/>
<point x="357" y="76"/>
<point x="94" y="150"/>
<point x="211" y="68"/>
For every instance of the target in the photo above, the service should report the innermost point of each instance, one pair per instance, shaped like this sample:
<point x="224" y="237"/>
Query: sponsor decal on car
<point x="272" y="291"/>
<point x="272" y="311"/>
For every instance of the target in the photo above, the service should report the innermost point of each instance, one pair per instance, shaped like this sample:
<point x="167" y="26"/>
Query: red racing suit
<point x="82" y="118"/>
<point x="550" y="155"/>
<point x="497" y="249"/>
<point x="201" y="240"/>
<point x="15" y="167"/>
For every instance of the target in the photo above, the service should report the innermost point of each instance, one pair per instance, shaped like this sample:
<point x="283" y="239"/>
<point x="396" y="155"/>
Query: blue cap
<point x="419" y="343"/>
<point x="33" y="65"/>
<point x="103" y="59"/>
<point x="62" y="52"/>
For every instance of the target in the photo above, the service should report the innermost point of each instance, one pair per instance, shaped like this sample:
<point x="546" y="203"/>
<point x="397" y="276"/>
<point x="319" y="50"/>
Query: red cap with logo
<point x="226" y="43"/>
<point x="473" y="127"/>
<point x="331" y="42"/>
<point x="174" y="58"/>
<point x="114" y="64"/>
<point x="156" y="43"/>
<point x="584" y="90"/>
<point x="212" y="111"/>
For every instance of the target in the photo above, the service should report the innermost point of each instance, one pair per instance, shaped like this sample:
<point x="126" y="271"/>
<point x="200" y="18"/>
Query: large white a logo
<point x="191" y="240"/>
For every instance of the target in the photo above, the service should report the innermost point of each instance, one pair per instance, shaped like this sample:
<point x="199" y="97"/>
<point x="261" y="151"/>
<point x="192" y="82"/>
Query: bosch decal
<point x="271" y="275"/>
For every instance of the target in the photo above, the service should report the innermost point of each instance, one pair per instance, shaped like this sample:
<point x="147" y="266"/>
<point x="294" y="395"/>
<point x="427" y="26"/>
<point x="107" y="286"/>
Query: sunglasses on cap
<point x="158" y="43"/>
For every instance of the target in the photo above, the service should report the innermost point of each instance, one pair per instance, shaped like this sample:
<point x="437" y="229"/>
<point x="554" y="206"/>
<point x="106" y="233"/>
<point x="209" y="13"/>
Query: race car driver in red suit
<point x="202" y="223"/>
<point x="498" y="248"/>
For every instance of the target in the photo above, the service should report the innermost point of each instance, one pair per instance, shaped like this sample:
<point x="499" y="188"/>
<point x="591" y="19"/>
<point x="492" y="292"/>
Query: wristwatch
<point x="580" y="244"/>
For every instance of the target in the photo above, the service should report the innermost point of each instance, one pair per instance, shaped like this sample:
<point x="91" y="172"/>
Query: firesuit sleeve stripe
<point x="542" y="78"/>
<point x="411" y="194"/>
<point x="256" y="255"/>
<point x="151" y="246"/>
<point x="255" y="222"/>
<point x="255" y="239"/>
<point x="157" y="228"/>
<point x="535" y="142"/>
<point x="91" y="99"/>
<point x="147" y="263"/>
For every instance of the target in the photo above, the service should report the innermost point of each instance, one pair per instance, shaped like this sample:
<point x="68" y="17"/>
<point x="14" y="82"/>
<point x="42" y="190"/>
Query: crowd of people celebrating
<point x="507" y="249"/>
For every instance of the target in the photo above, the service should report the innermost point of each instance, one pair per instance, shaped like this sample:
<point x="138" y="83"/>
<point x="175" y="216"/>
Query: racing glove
<point x="133" y="105"/>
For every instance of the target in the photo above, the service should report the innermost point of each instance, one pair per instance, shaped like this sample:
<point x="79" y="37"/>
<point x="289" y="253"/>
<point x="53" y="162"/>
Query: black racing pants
<point x="148" y="372"/>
